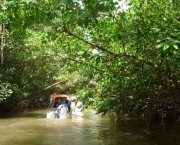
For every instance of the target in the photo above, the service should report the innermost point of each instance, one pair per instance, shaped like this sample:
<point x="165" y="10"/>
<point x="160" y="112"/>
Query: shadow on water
<point x="23" y="114"/>
<point x="138" y="131"/>
<point x="83" y="128"/>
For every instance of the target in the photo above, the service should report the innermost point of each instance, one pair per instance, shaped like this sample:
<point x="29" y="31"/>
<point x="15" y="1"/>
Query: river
<point x="86" y="128"/>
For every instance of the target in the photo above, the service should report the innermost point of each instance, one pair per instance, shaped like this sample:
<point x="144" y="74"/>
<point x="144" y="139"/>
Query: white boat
<point x="56" y="100"/>
<point x="53" y="111"/>
<point x="58" y="114"/>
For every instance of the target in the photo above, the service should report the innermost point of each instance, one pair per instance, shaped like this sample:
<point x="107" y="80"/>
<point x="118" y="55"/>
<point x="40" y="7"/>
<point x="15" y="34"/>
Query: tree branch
<point x="90" y="43"/>
<point x="131" y="56"/>
<point x="50" y="86"/>
<point x="115" y="56"/>
<point x="58" y="55"/>
<point x="2" y="41"/>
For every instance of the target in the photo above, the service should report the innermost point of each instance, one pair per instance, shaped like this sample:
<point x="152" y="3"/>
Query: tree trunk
<point x="2" y="41"/>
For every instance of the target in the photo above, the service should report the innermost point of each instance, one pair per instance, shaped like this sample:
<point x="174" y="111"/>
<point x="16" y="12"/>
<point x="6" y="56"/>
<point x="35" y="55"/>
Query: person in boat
<point x="57" y="104"/>
<point x="63" y="108"/>
<point x="56" y="110"/>
<point x="69" y="107"/>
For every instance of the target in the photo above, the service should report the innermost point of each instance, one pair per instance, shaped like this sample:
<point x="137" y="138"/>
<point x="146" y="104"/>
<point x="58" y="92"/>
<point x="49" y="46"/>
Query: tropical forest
<point x="120" y="57"/>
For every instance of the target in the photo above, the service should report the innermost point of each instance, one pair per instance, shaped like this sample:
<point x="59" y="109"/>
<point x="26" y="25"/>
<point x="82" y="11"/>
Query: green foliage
<point x="123" y="60"/>
<point x="5" y="90"/>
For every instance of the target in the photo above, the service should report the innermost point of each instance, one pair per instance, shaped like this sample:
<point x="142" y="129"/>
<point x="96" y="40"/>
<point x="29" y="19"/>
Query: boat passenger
<point x="69" y="107"/>
<point x="57" y="104"/>
<point x="63" y="107"/>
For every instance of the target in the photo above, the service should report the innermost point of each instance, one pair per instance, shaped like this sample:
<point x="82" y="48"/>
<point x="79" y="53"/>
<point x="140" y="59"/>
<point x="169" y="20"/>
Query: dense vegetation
<point x="121" y="58"/>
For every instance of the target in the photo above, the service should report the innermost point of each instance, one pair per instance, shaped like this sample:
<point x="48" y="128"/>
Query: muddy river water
<point x="85" y="128"/>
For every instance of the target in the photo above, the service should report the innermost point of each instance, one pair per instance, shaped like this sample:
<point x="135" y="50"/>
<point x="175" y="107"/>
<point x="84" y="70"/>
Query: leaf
<point x="165" y="47"/>
<point x="158" y="41"/>
<point x="175" y="46"/>
<point x="160" y="45"/>
<point x="156" y="30"/>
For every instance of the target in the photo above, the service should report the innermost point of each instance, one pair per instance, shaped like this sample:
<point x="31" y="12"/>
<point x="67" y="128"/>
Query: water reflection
<point x="86" y="128"/>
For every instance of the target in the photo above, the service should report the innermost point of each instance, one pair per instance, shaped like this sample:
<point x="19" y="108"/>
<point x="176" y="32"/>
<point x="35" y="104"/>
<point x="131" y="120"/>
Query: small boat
<point x="78" y="107"/>
<point x="54" y="111"/>
<point x="76" y="104"/>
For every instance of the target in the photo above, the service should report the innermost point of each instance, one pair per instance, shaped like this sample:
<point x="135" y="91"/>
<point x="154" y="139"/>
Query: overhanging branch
<point x="115" y="56"/>
<point x="58" y="55"/>
<point x="90" y="43"/>
<point x="131" y="56"/>
<point x="50" y="86"/>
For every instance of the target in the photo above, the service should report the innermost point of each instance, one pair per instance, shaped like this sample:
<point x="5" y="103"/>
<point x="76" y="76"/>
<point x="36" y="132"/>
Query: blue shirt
<point x="64" y="105"/>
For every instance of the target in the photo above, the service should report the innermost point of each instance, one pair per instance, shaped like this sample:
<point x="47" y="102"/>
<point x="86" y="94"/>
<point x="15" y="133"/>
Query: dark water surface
<point x="86" y="128"/>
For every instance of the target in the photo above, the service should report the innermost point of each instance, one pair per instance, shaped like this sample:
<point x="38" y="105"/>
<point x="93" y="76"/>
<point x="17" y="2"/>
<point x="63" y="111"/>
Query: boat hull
<point x="58" y="115"/>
